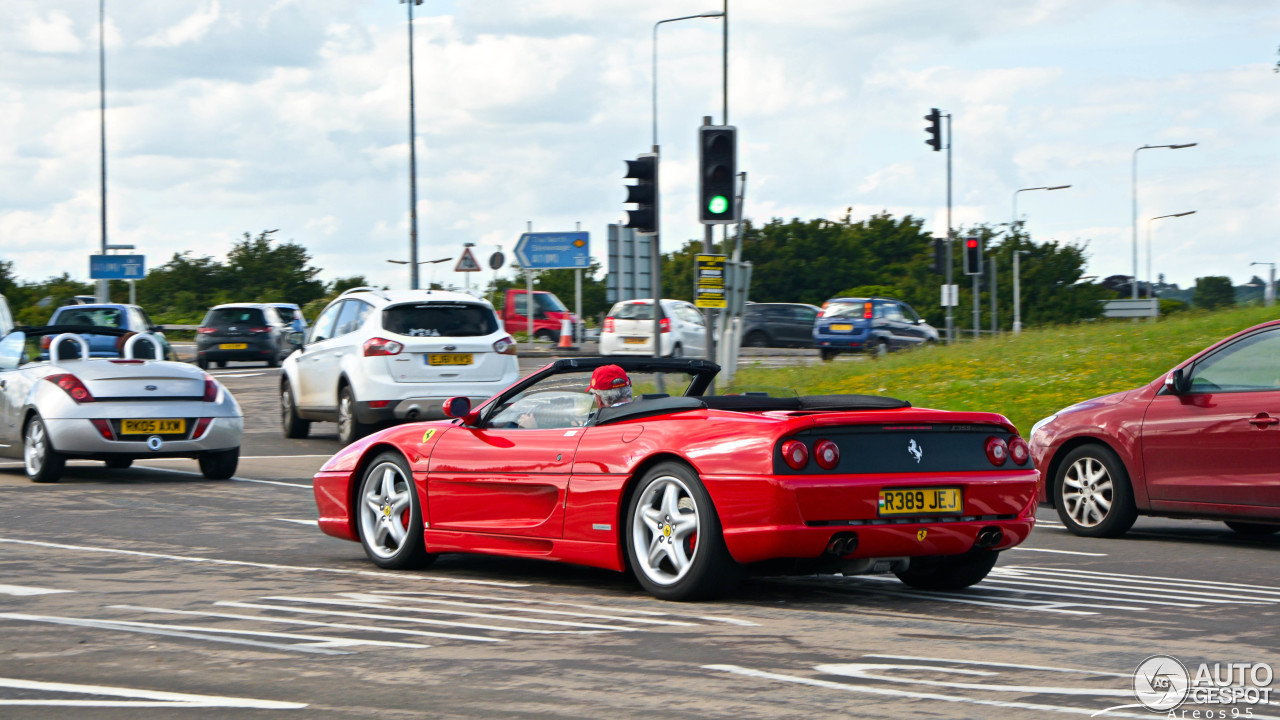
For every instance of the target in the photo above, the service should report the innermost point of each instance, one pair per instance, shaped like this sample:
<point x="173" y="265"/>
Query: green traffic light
<point x="718" y="205"/>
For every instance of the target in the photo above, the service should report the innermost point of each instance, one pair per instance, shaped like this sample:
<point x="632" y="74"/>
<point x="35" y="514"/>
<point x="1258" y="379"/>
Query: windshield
<point x="633" y="311"/>
<point x="100" y="317"/>
<point x="440" y="320"/>
<point x="549" y="303"/>
<point x="226" y="317"/>
<point x="845" y="309"/>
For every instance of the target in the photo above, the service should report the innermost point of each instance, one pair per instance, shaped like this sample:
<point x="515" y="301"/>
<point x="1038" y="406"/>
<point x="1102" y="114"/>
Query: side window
<point x="893" y="311"/>
<point x="877" y="311"/>
<point x="520" y="303"/>
<point x="689" y="314"/>
<point x="323" y="329"/>
<point x="1251" y="364"/>
<point x="353" y="314"/>
<point x="804" y="316"/>
<point x="910" y="314"/>
<point x="146" y="319"/>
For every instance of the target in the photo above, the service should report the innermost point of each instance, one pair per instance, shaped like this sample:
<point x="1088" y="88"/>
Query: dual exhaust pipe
<point x="842" y="544"/>
<point x="988" y="537"/>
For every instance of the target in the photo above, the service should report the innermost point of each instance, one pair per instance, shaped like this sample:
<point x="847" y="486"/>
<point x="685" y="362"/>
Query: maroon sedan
<point x="1201" y="441"/>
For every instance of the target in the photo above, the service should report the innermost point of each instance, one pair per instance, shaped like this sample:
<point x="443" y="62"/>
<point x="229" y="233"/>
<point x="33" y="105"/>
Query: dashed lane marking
<point x="129" y="697"/>
<point x="311" y="523"/>
<point x="25" y="590"/>
<point x="1059" y="552"/>
<point x="234" y="479"/>
<point x="266" y="566"/>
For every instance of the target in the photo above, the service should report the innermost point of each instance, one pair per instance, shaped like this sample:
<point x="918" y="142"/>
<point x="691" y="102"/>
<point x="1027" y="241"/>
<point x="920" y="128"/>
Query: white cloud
<point x="52" y="33"/>
<point x="190" y="29"/>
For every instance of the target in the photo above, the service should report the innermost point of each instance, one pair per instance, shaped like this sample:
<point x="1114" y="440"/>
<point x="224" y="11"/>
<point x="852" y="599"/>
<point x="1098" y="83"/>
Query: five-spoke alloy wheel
<point x="44" y="464"/>
<point x="390" y="516"/>
<point x="673" y="537"/>
<point x="1093" y="495"/>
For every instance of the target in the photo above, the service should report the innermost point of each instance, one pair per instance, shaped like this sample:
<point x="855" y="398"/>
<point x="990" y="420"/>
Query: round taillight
<point x="796" y="454"/>
<point x="827" y="453"/>
<point x="1019" y="451"/>
<point x="997" y="451"/>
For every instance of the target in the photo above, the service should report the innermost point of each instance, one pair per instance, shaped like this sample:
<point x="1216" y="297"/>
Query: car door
<point x="1219" y="443"/>
<point x="12" y="393"/>
<point x="799" y="325"/>
<point x="912" y="331"/>
<point x="317" y="366"/>
<point x="693" y="331"/>
<point x="502" y="480"/>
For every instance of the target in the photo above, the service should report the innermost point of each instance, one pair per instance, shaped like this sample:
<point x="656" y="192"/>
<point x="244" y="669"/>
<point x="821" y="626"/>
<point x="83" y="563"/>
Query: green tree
<point x="260" y="271"/>
<point x="1213" y="291"/>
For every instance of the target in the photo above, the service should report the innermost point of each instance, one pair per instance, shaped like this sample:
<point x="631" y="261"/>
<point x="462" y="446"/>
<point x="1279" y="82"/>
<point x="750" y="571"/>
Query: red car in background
<point x="685" y="490"/>
<point x="1201" y="441"/>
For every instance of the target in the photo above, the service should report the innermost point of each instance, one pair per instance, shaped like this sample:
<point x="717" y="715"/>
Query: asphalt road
<point x="154" y="593"/>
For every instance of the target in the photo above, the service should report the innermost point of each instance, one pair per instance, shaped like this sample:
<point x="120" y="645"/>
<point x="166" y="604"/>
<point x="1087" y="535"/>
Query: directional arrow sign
<point x="554" y="250"/>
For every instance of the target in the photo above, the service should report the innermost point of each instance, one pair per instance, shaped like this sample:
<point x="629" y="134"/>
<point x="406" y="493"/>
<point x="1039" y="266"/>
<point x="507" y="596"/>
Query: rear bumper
<point x="420" y="400"/>
<point x="258" y="349"/>
<point x="770" y="517"/>
<point x="614" y="344"/>
<point x="418" y="408"/>
<point x="841" y="341"/>
<point x="77" y="437"/>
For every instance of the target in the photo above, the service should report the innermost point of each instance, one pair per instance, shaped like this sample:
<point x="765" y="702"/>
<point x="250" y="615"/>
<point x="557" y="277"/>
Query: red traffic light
<point x="972" y="242"/>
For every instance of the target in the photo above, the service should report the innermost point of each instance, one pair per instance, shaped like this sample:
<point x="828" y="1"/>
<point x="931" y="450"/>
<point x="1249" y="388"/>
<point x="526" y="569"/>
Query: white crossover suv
<point x="376" y="356"/>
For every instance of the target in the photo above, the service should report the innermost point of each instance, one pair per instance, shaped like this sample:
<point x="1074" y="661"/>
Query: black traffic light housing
<point x="644" y="194"/>
<point x="718" y="174"/>
<point x="934" y="128"/>
<point x="972" y="256"/>
<point x="939" y="264"/>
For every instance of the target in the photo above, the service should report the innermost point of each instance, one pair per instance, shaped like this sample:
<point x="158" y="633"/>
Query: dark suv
<point x="778" y="324"/>
<point x="874" y="324"/>
<point x="243" y="331"/>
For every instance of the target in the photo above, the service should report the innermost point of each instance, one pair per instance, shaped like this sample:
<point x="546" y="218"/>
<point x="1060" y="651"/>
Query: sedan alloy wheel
<point x="1093" y="495"/>
<point x="390" y="519"/>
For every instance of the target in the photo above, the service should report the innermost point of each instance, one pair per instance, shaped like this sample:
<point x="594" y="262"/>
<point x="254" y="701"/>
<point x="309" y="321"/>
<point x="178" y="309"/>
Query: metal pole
<point x="1017" y="291"/>
<point x="104" y="287"/>
<point x="413" y="167"/>
<point x="951" y="331"/>
<point x="995" y="328"/>
<point x="977" y="311"/>
<point x="1134" y="283"/>
<point x="528" y="294"/>
<point x="1270" y="294"/>
<point x="724" y="58"/>
<point x="577" y="298"/>
<point x="655" y="265"/>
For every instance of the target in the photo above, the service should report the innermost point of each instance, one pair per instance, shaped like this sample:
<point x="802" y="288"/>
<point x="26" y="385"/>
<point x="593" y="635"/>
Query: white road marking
<point x="631" y="612"/>
<point x="162" y="630"/>
<point x="914" y="658"/>
<point x="138" y="698"/>
<point x="312" y="523"/>
<point x="267" y="566"/>
<point x="403" y="619"/>
<point x="297" y="621"/>
<point x="366" y="600"/>
<point x="907" y="694"/>
<point x="531" y="610"/>
<point x="1059" y="552"/>
<point x="234" y="479"/>
<point x="25" y="590"/>
<point x="236" y="373"/>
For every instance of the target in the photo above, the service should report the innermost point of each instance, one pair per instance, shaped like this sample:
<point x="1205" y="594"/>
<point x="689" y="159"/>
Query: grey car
<point x="74" y="406"/>
<point x="778" y="324"/>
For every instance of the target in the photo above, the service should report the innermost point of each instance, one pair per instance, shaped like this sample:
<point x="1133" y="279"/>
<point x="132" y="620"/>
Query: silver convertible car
<point x="73" y="406"/>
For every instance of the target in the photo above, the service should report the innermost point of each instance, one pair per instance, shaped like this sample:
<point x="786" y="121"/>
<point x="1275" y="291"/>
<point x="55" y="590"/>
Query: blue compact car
<point x="120" y="317"/>
<point x="875" y="325"/>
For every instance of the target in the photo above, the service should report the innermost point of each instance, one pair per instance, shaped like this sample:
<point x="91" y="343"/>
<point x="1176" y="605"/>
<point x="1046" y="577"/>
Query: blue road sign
<point x="554" y="250"/>
<point x="117" y="267"/>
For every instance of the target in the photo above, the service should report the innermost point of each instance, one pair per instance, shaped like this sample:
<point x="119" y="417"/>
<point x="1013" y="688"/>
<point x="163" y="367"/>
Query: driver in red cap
<point x="610" y="386"/>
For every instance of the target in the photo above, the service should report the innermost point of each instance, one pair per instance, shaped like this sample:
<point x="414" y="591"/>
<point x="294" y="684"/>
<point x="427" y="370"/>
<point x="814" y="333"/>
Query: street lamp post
<point x="1268" y="295"/>
<point x="1135" y="205"/>
<point x="1151" y="288"/>
<point x="413" y="164"/>
<point x="104" y="286"/>
<point x="1017" y="283"/>
<point x="655" y="249"/>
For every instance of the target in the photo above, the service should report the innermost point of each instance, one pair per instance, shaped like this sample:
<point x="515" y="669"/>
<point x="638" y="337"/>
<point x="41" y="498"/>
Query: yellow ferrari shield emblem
<point x="428" y="434"/>
<point x="920" y="534"/>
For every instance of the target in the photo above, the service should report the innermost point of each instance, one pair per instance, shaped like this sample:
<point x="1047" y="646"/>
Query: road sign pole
<point x="578" y="331"/>
<point x="528" y="296"/>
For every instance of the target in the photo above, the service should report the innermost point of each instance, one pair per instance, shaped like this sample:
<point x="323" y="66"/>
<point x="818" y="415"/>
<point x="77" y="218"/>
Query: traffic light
<point x="718" y="171"/>
<point x="972" y="256"/>
<point x="644" y="194"/>
<point x="934" y="128"/>
<point x="939" y="264"/>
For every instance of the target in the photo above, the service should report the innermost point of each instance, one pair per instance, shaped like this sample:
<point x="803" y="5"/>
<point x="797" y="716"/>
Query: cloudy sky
<point x="233" y="116"/>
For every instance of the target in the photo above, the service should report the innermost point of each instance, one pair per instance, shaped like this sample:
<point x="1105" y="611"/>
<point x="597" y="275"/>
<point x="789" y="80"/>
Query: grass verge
<point x="1024" y="377"/>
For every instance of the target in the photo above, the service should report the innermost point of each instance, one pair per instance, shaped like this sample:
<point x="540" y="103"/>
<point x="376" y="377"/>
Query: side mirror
<point x="1178" y="381"/>
<point x="457" y="407"/>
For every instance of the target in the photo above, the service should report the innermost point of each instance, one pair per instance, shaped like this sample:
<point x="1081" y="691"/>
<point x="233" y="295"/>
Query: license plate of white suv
<point x="449" y="359"/>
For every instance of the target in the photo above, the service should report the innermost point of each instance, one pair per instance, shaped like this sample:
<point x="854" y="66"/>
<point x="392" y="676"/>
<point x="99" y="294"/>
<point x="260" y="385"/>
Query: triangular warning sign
<point x="467" y="263"/>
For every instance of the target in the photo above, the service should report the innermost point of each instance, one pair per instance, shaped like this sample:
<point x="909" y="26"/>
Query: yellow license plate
<point x="449" y="359"/>
<point x="233" y="346"/>
<point x="920" y="501"/>
<point x="841" y="328"/>
<point x="167" y="426"/>
<point x="634" y="341"/>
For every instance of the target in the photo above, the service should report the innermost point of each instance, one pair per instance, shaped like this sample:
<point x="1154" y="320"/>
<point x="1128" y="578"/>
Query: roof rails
<point x="365" y="288"/>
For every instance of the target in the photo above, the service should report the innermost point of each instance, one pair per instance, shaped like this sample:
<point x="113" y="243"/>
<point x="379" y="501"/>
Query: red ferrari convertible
<point x="687" y="490"/>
